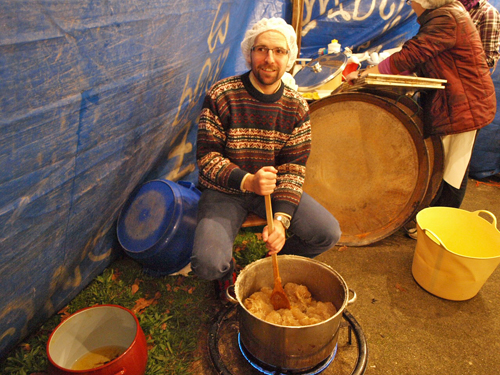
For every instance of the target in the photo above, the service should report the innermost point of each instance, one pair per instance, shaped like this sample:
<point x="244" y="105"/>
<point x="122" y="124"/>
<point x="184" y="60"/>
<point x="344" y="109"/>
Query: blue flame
<point x="274" y="372"/>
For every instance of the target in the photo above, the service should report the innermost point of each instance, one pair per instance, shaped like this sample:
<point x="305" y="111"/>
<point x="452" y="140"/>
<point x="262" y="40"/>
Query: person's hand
<point x="351" y="77"/>
<point x="263" y="182"/>
<point x="276" y="240"/>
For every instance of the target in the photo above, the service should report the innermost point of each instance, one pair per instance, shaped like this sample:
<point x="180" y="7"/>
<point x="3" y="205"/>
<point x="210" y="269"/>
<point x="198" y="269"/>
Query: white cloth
<point x="457" y="154"/>
<point x="289" y="81"/>
<point x="183" y="272"/>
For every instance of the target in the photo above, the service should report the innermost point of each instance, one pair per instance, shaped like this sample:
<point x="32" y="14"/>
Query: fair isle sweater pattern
<point x="241" y="130"/>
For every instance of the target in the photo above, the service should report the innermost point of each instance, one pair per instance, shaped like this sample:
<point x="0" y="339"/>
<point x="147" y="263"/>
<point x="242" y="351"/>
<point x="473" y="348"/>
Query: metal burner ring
<point x="213" y="338"/>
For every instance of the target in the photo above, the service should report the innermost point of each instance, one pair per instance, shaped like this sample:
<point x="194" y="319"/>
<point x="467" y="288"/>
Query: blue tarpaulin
<point x="97" y="97"/>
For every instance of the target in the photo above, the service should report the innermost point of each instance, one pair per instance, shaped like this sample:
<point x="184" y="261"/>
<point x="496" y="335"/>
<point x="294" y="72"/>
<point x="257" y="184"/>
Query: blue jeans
<point x="313" y="228"/>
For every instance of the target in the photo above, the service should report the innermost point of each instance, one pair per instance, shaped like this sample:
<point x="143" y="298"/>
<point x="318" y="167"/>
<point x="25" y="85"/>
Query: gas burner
<point x="230" y="357"/>
<point x="264" y="368"/>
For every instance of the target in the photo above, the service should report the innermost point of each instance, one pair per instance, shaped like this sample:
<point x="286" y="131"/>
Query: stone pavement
<point x="410" y="331"/>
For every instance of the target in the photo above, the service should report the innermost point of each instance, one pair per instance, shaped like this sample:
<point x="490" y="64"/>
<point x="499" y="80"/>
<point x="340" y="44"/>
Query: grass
<point x="170" y="309"/>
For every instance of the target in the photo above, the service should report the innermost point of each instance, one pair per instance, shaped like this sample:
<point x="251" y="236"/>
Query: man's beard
<point x="267" y="78"/>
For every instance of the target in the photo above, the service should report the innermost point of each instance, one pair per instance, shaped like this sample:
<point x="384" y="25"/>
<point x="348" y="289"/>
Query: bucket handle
<point x="189" y="185"/>
<point x="493" y="217"/>
<point x="186" y="184"/>
<point x="434" y="237"/>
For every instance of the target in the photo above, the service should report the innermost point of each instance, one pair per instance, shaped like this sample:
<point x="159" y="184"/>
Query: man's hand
<point x="263" y="182"/>
<point x="276" y="240"/>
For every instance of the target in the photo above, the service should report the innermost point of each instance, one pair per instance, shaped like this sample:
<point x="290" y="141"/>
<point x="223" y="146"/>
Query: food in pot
<point x="304" y="310"/>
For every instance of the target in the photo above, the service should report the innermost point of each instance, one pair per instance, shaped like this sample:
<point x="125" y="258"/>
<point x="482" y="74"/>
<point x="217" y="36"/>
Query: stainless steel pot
<point x="285" y="347"/>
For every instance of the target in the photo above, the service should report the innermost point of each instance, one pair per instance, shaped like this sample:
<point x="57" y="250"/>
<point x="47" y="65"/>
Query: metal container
<point x="286" y="347"/>
<point x="321" y="73"/>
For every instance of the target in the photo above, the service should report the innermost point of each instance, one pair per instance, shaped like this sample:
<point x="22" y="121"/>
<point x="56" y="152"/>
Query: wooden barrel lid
<point x="433" y="144"/>
<point x="369" y="165"/>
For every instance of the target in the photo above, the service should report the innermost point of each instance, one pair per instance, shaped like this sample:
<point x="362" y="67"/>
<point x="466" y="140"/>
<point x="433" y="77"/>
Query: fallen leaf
<point x="26" y="347"/>
<point x="400" y="288"/>
<point x="116" y="275"/>
<point x="63" y="310"/>
<point x="64" y="313"/>
<point x="496" y="184"/>
<point x="135" y="286"/>
<point x="143" y="303"/>
<point x="343" y="248"/>
<point x="149" y="340"/>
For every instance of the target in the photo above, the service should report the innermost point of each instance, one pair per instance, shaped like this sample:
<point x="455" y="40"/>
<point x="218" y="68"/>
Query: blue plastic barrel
<point x="157" y="223"/>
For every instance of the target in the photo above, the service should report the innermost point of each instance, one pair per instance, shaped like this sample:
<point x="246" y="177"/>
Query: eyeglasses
<point x="263" y="51"/>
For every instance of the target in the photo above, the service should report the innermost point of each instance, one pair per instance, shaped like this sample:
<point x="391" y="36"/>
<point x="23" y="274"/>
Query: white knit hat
<point x="266" y="24"/>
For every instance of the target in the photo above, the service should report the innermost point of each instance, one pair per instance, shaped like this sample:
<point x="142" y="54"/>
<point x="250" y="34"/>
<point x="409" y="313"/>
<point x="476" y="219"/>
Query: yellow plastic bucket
<point x="456" y="251"/>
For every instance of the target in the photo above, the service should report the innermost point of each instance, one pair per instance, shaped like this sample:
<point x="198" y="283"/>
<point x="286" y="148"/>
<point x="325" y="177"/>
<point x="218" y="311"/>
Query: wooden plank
<point x="402" y="78"/>
<point x="297" y="15"/>
<point x="388" y="80"/>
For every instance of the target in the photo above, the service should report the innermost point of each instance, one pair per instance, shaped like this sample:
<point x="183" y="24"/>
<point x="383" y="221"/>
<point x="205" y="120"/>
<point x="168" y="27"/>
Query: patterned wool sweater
<point x="242" y="130"/>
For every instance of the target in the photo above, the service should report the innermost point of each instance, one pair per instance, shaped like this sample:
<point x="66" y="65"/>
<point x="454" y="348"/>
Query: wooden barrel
<point x="369" y="166"/>
<point x="433" y="143"/>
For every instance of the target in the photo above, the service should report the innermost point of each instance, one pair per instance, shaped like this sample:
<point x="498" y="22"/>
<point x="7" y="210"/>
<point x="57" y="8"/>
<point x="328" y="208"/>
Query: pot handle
<point x="354" y="297"/>
<point x="493" y="217"/>
<point x="229" y="295"/>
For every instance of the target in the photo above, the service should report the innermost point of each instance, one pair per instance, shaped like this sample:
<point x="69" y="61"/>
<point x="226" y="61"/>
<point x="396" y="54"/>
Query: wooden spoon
<point x="279" y="299"/>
